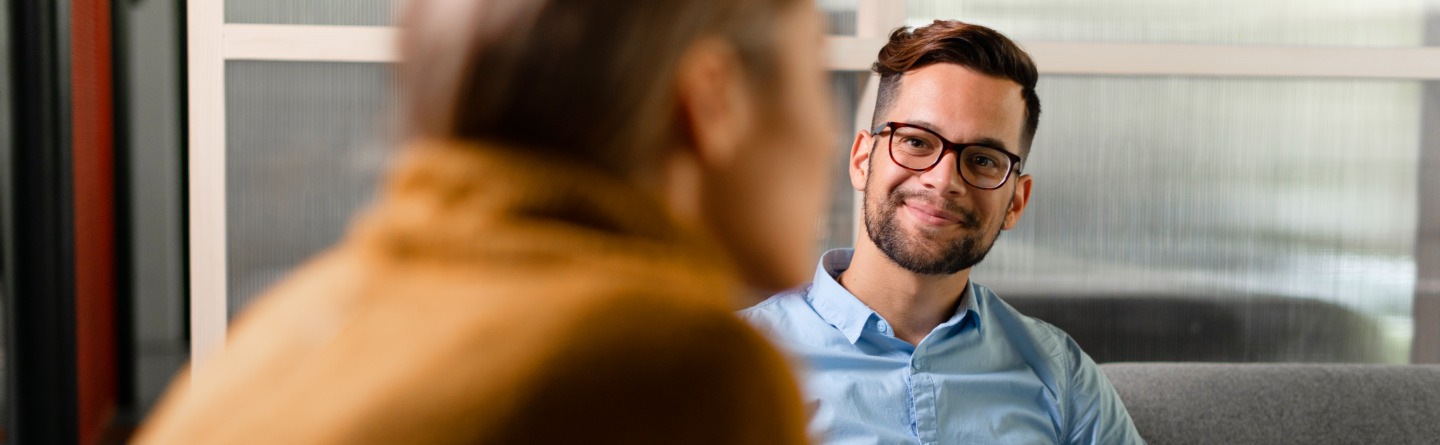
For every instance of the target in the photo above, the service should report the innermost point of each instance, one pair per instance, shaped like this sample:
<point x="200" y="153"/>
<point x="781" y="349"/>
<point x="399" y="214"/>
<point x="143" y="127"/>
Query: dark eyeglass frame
<point x="945" y="145"/>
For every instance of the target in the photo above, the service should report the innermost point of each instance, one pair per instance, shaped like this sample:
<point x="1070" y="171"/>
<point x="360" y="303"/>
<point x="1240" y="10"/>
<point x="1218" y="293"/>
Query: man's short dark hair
<point x="972" y="46"/>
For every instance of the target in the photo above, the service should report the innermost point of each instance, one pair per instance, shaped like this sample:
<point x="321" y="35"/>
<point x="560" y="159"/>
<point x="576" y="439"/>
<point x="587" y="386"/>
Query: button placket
<point x="921" y="392"/>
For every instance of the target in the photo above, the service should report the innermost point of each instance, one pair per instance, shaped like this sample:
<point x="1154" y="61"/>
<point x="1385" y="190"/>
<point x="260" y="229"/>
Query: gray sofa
<point x="1197" y="403"/>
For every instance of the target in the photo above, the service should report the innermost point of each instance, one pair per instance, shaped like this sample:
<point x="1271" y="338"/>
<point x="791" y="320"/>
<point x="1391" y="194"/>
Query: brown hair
<point x="972" y="46"/>
<point x="584" y="79"/>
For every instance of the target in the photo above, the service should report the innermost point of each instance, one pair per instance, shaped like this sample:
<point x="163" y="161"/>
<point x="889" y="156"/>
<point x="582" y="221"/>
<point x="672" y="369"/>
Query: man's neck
<point x="913" y="304"/>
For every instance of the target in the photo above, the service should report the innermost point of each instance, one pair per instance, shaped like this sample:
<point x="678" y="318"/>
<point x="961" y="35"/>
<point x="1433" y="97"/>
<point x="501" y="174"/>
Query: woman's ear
<point x="714" y="104"/>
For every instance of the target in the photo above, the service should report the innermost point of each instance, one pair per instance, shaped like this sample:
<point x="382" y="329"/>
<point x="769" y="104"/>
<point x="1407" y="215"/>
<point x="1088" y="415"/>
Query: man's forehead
<point x="962" y="103"/>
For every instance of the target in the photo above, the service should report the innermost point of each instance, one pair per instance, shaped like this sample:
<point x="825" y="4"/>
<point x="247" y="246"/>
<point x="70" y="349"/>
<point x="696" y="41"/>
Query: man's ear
<point x="713" y="101"/>
<point x="1018" y="202"/>
<point x="860" y="160"/>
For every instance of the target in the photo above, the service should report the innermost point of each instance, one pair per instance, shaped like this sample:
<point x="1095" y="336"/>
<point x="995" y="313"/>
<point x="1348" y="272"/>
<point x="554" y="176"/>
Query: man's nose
<point x="944" y="177"/>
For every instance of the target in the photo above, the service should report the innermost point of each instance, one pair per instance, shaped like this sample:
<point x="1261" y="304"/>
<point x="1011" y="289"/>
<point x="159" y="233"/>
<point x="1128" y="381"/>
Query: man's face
<point x="932" y="222"/>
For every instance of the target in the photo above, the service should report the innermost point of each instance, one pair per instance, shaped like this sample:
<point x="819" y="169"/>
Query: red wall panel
<point x="94" y="181"/>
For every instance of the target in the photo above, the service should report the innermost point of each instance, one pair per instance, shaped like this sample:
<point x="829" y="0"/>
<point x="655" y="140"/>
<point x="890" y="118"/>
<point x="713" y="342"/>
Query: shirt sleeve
<point x="1097" y="415"/>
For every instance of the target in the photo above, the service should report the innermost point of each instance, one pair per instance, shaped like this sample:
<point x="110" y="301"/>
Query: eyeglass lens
<point x="917" y="149"/>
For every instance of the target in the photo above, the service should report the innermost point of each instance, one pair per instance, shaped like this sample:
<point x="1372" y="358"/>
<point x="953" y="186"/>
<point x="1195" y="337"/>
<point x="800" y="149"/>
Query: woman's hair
<point x="591" y="80"/>
<point x="972" y="46"/>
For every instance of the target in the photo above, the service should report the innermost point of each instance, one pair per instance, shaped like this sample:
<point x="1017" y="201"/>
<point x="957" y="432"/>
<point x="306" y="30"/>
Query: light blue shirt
<point x="988" y="375"/>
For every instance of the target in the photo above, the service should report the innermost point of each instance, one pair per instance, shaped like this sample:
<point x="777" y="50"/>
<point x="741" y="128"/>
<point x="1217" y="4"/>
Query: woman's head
<point x="581" y="78"/>
<point x="723" y="103"/>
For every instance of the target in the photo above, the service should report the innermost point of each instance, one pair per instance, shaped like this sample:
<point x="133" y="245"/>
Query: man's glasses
<point x="916" y="148"/>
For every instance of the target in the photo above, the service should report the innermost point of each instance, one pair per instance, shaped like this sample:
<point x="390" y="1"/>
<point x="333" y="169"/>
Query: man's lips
<point x="931" y="215"/>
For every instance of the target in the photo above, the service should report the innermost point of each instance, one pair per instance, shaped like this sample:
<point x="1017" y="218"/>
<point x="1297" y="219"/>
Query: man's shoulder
<point x="992" y="306"/>
<point x="778" y="303"/>
<point x="1050" y="342"/>
<point x="782" y="306"/>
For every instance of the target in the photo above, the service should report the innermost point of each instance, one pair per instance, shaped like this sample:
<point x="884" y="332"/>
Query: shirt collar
<point x="833" y="302"/>
<point x="969" y="308"/>
<point x="843" y="310"/>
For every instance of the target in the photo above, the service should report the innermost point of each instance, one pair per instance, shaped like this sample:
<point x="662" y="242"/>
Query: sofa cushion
<point x="1196" y="403"/>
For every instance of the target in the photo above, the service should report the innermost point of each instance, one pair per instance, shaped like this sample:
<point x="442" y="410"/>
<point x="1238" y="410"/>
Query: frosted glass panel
<point x="1243" y="22"/>
<point x="1285" y="206"/>
<point x="312" y="12"/>
<point x="838" y="228"/>
<point x="839" y="16"/>
<point x="306" y="145"/>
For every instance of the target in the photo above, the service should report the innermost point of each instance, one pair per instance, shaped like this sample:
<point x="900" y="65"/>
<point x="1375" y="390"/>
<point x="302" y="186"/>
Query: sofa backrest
<point x="1201" y="403"/>
<point x="1179" y="327"/>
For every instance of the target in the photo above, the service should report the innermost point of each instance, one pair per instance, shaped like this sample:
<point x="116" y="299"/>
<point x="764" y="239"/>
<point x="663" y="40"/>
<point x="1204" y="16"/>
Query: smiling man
<point x="899" y="345"/>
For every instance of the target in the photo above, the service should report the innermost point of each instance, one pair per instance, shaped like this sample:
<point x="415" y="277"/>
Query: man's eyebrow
<point x="986" y="141"/>
<point x="990" y="142"/>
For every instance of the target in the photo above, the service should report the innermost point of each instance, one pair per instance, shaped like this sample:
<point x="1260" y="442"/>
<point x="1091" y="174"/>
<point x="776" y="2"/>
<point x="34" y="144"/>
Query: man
<point x="901" y="347"/>
<point x="587" y="186"/>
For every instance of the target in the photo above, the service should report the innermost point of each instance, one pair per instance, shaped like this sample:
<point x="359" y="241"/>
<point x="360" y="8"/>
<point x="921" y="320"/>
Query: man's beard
<point x="959" y="254"/>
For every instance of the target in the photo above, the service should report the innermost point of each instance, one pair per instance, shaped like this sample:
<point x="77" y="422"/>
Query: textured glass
<point x="312" y="12"/>
<point x="306" y="144"/>
<point x="839" y="16"/>
<point x="1427" y="244"/>
<point x="1231" y="22"/>
<point x="838" y="228"/>
<point x="1179" y="218"/>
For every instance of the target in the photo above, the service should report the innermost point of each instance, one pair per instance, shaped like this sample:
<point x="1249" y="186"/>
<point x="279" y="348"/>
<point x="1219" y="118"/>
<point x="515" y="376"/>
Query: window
<point x="306" y="143"/>
<point x="1230" y="181"/>
<point x="1265" y="214"/>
